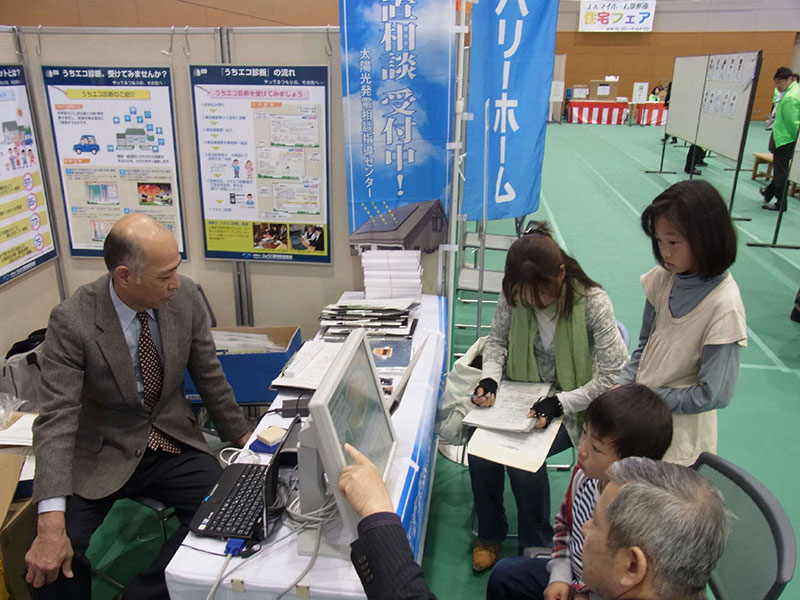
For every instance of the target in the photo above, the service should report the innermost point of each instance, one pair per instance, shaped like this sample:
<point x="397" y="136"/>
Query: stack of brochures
<point x="389" y="317"/>
<point x="236" y="342"/>
<point x="392" y="273"/>
<point x="308" y="366"/>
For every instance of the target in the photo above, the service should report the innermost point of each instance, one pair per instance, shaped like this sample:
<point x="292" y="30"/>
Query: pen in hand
<point x="484" y="394"/>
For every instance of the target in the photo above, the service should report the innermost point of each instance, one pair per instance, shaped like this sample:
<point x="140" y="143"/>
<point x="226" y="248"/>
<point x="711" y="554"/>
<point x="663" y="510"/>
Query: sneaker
<point x="763" y="191"/>
<point x="694" y="172"/>
<point x="770" y="206"/>
<point x="484" y="556"/>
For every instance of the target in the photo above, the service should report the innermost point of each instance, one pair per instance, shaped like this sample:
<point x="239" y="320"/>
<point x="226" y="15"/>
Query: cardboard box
<point x="602" y="90"/>
<point x="250" y="375"/>
<point x="18" y="526"/>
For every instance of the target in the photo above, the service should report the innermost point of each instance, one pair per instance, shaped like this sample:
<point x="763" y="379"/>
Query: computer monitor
<point x="348" y="407"/>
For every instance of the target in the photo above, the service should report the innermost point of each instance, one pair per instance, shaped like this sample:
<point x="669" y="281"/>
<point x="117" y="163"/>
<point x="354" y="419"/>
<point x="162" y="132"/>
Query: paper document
<point x="526" y="451"/>
<point x="235" y="342"/>
<point x="20" y="432"/>
<point x="309" y="365"/>
<point x="511" y="408"/>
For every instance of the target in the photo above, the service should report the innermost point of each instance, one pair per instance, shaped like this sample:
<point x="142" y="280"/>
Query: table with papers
<point x="192" y="571"/>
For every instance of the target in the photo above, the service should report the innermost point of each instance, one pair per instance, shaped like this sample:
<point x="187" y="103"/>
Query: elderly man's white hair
<point x="675" y="516"/>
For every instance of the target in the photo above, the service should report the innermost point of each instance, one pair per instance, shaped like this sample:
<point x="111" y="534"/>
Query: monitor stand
<point x="335" y="542"/>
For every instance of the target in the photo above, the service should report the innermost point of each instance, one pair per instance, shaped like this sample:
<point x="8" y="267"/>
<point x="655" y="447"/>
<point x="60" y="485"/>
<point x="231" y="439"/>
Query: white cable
<point x="249" y="558"/>
<point x="232" y="455"/>
<point x="309" y="566"/>
<point x="213" y="591"/>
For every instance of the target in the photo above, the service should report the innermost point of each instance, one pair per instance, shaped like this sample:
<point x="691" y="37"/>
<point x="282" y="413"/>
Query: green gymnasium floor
<point x="594" y="188"/>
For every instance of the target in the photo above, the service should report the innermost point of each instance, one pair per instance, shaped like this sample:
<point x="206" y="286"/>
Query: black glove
<point x="549" y="408"/>
<point x="489" y="386"/>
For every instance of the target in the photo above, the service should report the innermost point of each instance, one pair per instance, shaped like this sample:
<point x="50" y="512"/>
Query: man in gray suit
<point x="113" y="422"/>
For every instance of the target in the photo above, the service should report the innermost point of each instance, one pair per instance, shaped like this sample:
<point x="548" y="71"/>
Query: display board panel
<point x="26" y="236"/>
<point x="688" y="82"/>
<point x="725" y="110"/>
<point x="794" y="169"/>
<point x="262" y="150"/>
<point x="115" y="145"/>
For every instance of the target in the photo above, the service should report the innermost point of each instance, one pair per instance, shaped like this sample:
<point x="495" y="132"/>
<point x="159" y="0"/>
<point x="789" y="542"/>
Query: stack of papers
<point x="380" y="317"/>
<point x="308" y="366"/>
<point x="392" y="273"/>
<point x="235" y="342"/>
<point x="17" y="438"/>
<point x="19" y="432"/>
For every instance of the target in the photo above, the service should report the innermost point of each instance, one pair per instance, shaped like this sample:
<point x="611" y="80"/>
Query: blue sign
<point x="397" y="59"/>
<point x="511" y="66"/>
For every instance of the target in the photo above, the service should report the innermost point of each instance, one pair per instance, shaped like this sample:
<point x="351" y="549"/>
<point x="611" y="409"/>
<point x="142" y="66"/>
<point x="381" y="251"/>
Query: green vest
<point x="787" y="116"/>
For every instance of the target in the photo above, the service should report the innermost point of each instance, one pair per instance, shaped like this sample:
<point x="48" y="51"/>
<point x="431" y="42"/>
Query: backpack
<point x="20" y="369"/>
<point x="456" y="400"/>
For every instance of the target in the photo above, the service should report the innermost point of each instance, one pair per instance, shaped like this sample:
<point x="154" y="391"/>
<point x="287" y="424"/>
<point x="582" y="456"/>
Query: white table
<point x="191" y="573"/>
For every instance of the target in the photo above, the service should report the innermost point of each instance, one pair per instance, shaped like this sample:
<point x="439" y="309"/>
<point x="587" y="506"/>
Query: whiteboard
<point x="794" y="170"/>
<point x="688" y="80"/>
<point x="725" y="109"/>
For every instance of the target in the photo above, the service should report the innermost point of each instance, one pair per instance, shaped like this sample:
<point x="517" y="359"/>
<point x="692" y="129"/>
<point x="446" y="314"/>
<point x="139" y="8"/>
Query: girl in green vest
<point x="552" y="324"/>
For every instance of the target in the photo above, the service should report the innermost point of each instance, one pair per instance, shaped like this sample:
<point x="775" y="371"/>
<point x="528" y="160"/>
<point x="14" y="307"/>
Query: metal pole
<point x="484" y="217"/>
<point x="455" y="183"/>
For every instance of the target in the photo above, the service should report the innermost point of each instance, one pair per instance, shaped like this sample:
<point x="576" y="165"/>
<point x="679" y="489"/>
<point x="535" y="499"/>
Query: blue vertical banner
<point x="397" y="63"/>
<point x="511" y="66"/>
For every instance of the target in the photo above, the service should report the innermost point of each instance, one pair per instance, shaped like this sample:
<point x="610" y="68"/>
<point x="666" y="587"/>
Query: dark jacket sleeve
<point x="384" y="561"/>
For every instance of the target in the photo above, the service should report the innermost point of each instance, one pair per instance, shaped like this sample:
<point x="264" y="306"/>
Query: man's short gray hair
<point x="675" y="516"/>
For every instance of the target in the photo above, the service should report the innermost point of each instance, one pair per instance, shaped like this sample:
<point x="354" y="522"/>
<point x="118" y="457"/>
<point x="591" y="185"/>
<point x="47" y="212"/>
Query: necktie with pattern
<point x="153" y="381"/>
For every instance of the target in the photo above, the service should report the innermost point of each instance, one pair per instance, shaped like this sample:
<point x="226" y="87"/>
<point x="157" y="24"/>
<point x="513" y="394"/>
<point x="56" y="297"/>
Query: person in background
<point x="552" y="324"/>
<point x="630" y="420"/>
<point x="674" y="140"/>
<point x="783" y="138"/>
<point x="655" y="95"/>
<point x="113" y="421"/>
<point x="695" y="157"/>
<point x="693" y="324"/>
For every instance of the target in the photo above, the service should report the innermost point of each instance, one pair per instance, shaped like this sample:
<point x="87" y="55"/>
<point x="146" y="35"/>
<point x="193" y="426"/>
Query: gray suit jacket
<point x="92" y="429"/>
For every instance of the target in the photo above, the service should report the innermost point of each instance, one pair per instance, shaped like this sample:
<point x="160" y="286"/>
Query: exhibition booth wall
<point x="282" y="293"/>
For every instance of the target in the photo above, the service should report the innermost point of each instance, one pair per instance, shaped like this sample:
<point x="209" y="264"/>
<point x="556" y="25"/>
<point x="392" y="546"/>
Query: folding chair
<point x="759" y="556"/>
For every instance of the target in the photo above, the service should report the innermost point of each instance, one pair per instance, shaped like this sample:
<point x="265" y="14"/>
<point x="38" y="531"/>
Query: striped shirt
<point x="566" y="563"/>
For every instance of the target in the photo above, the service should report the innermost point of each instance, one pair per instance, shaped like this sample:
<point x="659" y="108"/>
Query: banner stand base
<point x="783" y="246"/>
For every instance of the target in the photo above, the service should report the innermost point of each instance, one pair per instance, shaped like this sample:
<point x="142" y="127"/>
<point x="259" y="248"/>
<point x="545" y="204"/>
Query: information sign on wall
<point x="26" y="238"/>
<point x="115" y="145"/>
<point x="619" y="15"/>
<point x="262" y="149"/>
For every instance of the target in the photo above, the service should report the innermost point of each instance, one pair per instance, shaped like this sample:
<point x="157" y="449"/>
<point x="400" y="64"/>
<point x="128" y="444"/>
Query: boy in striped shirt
<point x="628" y="420"/>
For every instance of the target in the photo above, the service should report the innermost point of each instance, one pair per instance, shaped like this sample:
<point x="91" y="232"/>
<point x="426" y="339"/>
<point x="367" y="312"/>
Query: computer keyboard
<point x="242" y="507"/>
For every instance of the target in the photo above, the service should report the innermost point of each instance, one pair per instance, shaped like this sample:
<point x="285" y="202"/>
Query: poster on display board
<point x="262" y="151"/>
<point x="620" y="15"/>
<point x="115" y="144"/>
<point x="26" y="238"/>
<point x="397" y="76"/>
